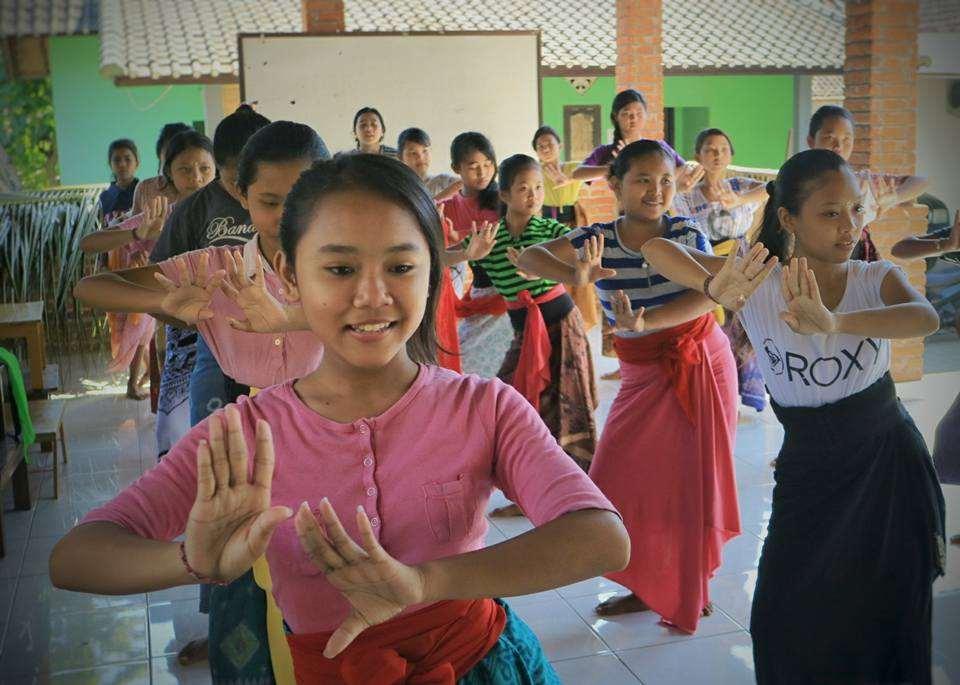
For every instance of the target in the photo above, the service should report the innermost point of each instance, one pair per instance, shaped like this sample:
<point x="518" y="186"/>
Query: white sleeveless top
<point x="813" y="370"/>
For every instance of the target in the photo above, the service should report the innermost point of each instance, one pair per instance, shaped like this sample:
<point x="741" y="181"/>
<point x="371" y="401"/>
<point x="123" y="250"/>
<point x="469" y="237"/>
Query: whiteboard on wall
<point x="444" y="83"/>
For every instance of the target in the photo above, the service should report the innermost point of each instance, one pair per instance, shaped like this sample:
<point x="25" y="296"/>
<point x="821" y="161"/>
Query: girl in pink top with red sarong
<point x="407" y="453"/>
<point x="188" y="168"/>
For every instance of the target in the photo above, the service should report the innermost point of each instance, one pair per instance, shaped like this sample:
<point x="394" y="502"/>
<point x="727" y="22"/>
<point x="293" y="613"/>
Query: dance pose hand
<point x="513" y="255"/>
<point x="688" y="176"/>
<point x="231" y="521"/>
<point x="616" y="148"/>
<point x="730" y="199"/>
<point x="153" y="216"/>
<point x="553" y="171"/>
<point x="740" y="277"/>
<point x="264" y="313"/>
<point x="189" y="300"/>
<point x="805" y="313"/>
<point x="482" y="240"/>
<point x="446" y="224"/>
<point x="884" y="190"/>
<point x="587" y="267"/>
<point x="377" y="586"/>
<point x="448" y="192"/>
<point x="625" y="319"/>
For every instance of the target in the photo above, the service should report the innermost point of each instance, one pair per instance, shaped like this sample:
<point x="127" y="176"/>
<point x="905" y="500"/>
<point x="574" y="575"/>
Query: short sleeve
<point x="560" y="229"/>
<point x="532" y="469"/>
<point x="595" y="158"/>
<point x="875" y="274"/>
<point x="681" y="205"/>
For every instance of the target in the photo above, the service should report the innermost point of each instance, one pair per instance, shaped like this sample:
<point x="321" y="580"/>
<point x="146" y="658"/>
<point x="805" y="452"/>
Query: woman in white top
<point x="844" y="587"/>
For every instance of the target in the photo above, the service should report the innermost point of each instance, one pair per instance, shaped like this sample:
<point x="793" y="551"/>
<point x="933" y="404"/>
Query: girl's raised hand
<point x="740" y="277"/>
<point x="730" y="199"/>
<point x="616" y="148"/>
<point x="377" y="586"/>
<point x="688" y="176"/>
<point x="588" y="265"/>
<point x="189" y="300"/>
<point x="231" y="521"/>
<point x="482" y="240"/>
<point x="625" y="319"/>
<point x="153" y="216"/>
<point x="805" y="313"/>
<point x="264" y="314"/>
<point x="553" y="171"/>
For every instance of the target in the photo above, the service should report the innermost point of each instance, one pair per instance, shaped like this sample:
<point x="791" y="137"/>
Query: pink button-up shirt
<point x="423" y="470"/>
<point x="256" y="359"/>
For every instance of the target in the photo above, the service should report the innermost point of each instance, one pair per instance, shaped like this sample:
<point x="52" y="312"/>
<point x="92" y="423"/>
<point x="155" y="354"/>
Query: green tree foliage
<point x="28" y="131"/>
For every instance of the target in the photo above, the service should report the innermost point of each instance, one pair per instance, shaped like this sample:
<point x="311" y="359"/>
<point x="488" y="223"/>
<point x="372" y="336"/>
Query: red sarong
<point x="436" y="645"/>
<point x="490" y="305"/>
<point x="448" y="342"/>
<point x="532" y="375"/>
<point x="665" y="461"/>
<point x="678" y="351"/>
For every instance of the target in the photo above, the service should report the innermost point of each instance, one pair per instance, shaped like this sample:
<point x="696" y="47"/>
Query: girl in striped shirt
<point x="665" y="457"/>
<point x="549" y="359"/>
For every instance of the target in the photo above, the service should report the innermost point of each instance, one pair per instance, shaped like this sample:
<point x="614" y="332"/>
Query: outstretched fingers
<point x="314" y="542"/>
<point x="344" y="545"/>
<point x="236" y="446"/>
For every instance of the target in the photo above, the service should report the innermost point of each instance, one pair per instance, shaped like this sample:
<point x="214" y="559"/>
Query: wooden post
<point x="323" y="16"/>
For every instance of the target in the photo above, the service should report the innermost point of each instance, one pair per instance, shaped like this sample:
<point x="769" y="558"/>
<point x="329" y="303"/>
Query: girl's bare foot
<point x="507" y="511"/>
<point x="707" y="609"/>
<point x="611" y="376"/>
<point x="134" y="391"/>
<point x="193" y="652"/>
<point x="624" y="604"/>
<point x="955" y="540"/>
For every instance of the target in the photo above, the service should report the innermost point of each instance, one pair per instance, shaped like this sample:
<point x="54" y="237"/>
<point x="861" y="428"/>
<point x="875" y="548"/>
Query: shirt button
<point x="371" y="491"/>
<point x="362" y="428"/>
<point x="277" y="341"/>
<point x="374" y="522"/>
<point x="368" y="462"/>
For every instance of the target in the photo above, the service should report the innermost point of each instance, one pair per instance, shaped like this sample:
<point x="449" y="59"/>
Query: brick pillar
<point x="640" y="66"/>
<point x="323" y="16"/>
<point x="880" y="85"/>
<point x="640" y="56"/>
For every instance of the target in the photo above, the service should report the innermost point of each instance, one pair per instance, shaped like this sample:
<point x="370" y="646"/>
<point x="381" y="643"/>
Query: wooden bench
<point x="47" y="419"/>
<point x="25" y="320"/>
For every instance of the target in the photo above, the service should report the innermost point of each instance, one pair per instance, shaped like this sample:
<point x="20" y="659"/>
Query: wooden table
<point x="25" y="320"/>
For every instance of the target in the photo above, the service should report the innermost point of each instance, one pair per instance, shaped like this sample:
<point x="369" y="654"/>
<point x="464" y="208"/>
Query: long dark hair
<point x="795" y="182"/>
<point x="471" y="141"/>
<point x="622" y="99"/>
<point x="280" y="141"/>
<point x="391" y="180"/>
<point x="183" y="141"/>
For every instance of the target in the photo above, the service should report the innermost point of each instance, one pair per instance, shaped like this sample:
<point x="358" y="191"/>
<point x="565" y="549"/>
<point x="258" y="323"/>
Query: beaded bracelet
<point x="706" y="288"/>
<point x="193" y="574"/>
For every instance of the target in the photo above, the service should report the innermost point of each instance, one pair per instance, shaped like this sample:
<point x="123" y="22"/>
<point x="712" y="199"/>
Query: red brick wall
<point x="640" y="56"/>
<point x="880" y="84"/>
<point x="323" y="16"/>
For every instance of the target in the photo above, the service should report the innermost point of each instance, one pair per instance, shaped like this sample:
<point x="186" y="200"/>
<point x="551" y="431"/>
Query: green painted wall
<point x="91" y="111"/>
<point x="756" y="111"/>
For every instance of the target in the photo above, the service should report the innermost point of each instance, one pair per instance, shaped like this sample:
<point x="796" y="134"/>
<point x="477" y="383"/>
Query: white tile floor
<point x="49" y="635"/>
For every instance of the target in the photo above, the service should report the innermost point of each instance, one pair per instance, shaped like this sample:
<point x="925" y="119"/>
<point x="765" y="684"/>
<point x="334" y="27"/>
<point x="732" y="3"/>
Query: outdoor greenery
<point x="28" y="131"/>
<point x="40" y="259"/>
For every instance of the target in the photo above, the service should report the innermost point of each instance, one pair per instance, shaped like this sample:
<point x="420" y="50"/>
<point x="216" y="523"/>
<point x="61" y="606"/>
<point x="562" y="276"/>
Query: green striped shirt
<point x="504" y="274"/>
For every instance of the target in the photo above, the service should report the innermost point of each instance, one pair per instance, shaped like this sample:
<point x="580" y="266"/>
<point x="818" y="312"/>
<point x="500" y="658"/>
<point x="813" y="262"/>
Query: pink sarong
<point x="128" y="331"/>
<point x="671" y="475"/>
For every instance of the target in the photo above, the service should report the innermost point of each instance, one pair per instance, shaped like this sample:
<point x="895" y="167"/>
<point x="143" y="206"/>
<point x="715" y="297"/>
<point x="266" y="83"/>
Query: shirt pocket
<point x="450" y="508"/>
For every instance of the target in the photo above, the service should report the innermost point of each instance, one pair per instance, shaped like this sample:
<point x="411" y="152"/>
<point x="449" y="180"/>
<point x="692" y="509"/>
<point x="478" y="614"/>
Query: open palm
<point x="263" y="312"/>
<point x="189" y="300"/>
<point x="739" y="277"/>
<point x="805" y="312"/>
<point x="588" y="267"/>
<point x="231" y="521"/>
<point x="377" y="586"/>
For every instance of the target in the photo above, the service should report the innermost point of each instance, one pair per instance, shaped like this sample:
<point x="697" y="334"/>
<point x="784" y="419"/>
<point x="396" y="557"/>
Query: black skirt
<point x="844" y="587"/>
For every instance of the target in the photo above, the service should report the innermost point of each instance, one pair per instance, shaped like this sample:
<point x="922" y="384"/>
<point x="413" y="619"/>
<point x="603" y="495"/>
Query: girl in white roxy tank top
<point x="855" y="539"/>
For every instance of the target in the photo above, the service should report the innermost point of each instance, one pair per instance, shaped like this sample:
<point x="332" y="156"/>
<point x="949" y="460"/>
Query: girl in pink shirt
<point x="188" y="168"/>
<point x="405" y="452"/>
<point x="187" y="288"/>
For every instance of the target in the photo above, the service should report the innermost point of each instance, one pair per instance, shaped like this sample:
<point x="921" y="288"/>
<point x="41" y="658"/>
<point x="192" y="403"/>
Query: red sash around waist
<point x="677" y="349"/>
<point x="448" y="341"/>
<point x="490" y="305"/>
<point x="436" y="645"/>
<point x="532" y="375"/>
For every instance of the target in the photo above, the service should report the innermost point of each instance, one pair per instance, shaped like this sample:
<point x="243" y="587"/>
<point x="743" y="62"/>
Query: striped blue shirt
<point x="635" y="277"/>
